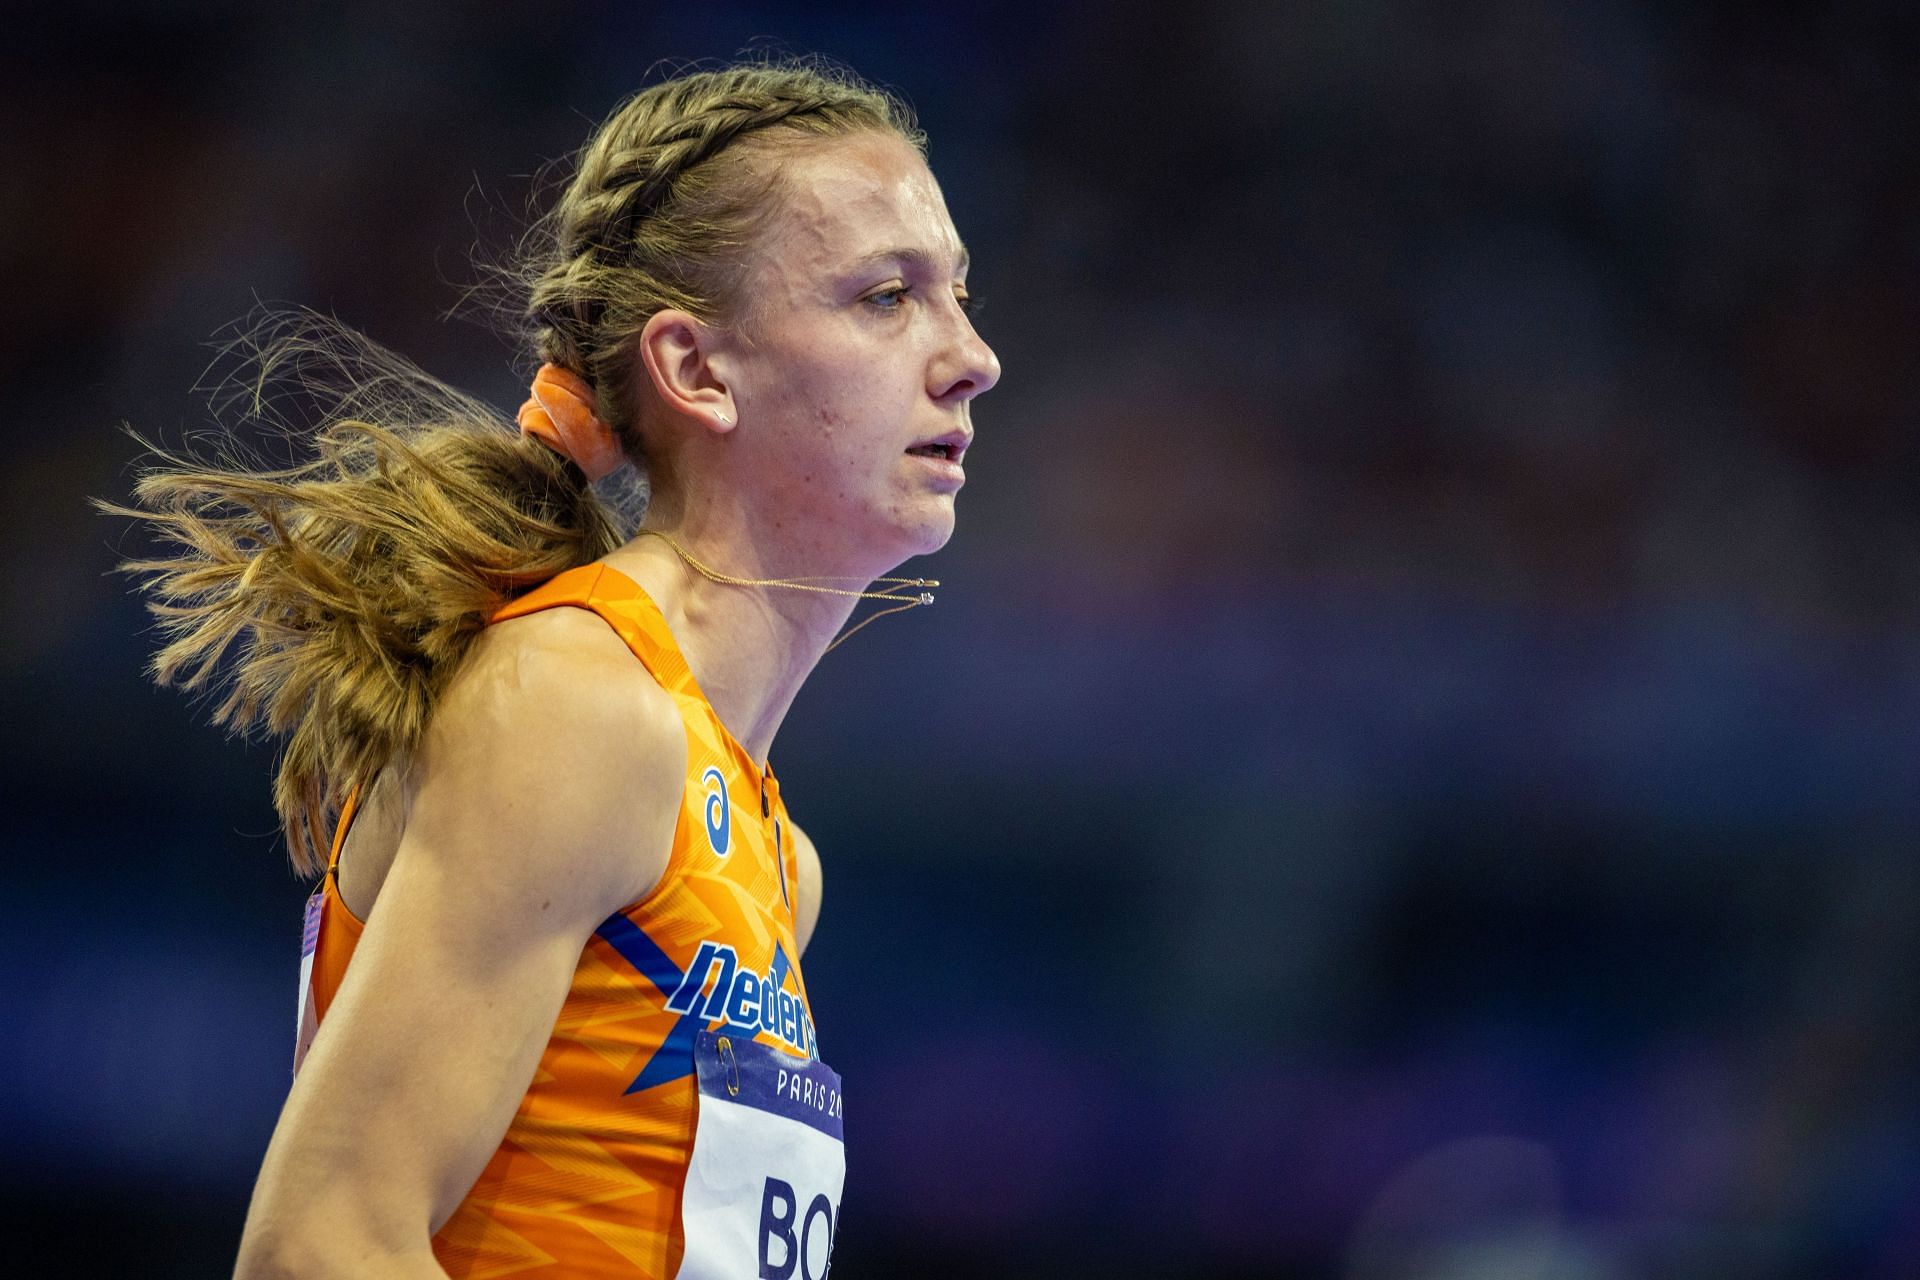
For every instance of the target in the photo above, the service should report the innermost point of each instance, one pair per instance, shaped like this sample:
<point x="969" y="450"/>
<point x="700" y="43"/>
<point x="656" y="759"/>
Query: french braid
<point x="660" y="204"/>
<point x="329" y="603"/>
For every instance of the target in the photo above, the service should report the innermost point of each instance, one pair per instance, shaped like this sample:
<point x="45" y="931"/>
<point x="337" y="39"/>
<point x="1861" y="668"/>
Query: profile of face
<point x="854" y="370"/>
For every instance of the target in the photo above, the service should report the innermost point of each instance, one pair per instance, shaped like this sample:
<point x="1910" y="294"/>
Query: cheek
<point x="847" y="416"/>
<point x="843" y="408"/>
<point x="821" y="456"/>
<point x="814" y="389"/>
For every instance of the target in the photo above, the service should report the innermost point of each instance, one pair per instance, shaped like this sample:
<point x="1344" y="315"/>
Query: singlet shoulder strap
<point x="623" y="606"/>
<point x="620" y="602"/>
<point x="340" y="826"/>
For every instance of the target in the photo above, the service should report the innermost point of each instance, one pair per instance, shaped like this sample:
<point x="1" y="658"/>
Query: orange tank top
<point x="588" y="1179"/>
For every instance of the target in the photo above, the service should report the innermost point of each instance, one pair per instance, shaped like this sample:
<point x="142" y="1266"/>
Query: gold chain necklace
<point x="891" y="592"/>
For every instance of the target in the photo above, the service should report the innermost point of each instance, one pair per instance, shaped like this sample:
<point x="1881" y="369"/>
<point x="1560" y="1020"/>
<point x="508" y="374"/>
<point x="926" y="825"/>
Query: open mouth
<point x="946" y="451"/>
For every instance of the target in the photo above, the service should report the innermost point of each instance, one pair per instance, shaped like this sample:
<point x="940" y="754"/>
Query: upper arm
<point x="543" y="799"/>
<point x="806" y="907"/>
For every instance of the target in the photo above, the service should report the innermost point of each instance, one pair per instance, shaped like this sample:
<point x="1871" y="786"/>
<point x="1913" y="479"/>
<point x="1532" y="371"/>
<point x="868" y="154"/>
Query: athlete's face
<point x="854" y="385"/>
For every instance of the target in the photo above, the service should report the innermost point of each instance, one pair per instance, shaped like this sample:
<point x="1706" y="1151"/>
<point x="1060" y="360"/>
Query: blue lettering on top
<point x="747" y="1001"/>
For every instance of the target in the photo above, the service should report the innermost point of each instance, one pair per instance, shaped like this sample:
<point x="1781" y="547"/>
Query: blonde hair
<point x="330" y="601"/>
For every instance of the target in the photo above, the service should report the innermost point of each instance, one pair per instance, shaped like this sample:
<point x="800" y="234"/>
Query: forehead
<point x="844" y="199"/>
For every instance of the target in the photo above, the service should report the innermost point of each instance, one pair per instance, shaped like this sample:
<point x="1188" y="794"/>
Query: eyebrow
<point x="913" y="257"/>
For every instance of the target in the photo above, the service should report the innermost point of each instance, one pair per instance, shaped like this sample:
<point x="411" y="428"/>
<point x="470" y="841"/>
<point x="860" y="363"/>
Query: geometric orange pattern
<point x="587" y="1179"/>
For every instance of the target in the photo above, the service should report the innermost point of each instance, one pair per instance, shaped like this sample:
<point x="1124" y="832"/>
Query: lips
<point x="949" y="446"/>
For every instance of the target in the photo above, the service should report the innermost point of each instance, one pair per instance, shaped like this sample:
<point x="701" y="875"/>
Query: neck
<point x="750" y="647"/>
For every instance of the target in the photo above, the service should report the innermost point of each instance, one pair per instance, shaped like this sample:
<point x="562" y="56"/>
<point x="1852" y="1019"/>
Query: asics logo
<point x="719" y="811"/>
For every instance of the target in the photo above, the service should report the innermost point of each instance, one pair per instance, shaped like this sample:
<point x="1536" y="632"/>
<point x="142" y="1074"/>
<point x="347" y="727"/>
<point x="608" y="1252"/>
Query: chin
<point x="921" y="536"/>
<point x="934" y="533"/>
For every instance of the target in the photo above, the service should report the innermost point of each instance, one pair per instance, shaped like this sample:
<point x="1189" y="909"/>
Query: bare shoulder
<point x="541" y="799"/>
<point x="560" y="644"/>
<point x="554" y="742"/>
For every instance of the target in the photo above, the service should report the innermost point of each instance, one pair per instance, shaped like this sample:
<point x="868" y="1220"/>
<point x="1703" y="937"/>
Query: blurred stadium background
<point x="1413" y="773"/>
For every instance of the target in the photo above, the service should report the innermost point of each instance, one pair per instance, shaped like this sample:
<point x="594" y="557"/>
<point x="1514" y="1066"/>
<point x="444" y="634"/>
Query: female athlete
<point x="553" y="1018"/>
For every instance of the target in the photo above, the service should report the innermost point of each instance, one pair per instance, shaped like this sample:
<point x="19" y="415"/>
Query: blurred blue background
<point x="1412" y="774"/>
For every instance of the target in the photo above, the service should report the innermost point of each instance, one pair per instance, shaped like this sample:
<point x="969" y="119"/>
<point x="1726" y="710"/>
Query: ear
<point x="684" y="360"/>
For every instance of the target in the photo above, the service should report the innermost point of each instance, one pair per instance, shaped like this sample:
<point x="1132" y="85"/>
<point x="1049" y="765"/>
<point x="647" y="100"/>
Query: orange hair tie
<point x="560" y="415"/>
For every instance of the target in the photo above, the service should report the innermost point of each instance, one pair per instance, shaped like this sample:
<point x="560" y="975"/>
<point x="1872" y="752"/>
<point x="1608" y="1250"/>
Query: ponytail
<point x="331" y="601"/>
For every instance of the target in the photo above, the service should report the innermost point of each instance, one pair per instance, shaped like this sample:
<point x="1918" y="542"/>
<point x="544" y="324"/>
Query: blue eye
<point x="891" y="299"/>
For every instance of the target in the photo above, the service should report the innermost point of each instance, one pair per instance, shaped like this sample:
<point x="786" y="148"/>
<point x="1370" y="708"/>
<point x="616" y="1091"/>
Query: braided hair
<point x="330" y="602"/>
<point x="661" y="204"/>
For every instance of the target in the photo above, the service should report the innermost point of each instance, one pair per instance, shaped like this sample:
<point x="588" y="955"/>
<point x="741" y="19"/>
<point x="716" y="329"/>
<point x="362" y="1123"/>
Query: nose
<point x="966" y="368"/>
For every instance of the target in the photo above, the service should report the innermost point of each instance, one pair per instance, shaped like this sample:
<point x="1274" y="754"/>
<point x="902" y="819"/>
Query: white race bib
<point x="763" y="1189"/>
<point x="309" y="1018"/>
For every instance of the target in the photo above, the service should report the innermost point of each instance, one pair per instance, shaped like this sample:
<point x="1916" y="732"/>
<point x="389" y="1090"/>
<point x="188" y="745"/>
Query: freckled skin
<point x="835" y="376"/>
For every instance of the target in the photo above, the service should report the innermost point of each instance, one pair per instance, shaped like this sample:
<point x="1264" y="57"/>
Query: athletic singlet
<point x="686" y="1041"/>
